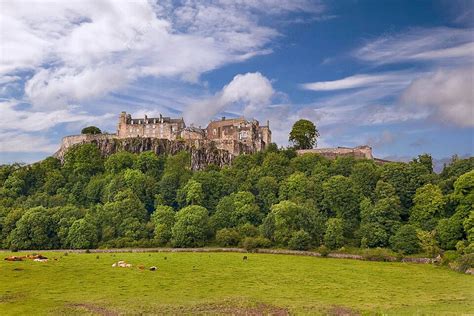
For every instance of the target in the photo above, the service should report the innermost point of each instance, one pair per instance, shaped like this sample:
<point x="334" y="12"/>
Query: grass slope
<point x="223" y="282"/>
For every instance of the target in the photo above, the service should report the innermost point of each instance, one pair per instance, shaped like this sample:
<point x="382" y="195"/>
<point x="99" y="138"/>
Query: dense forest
<point x="273" y="198"/>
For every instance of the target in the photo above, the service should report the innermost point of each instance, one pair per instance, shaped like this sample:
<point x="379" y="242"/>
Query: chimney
<point x="223" y="118"/>
<point x="268" y="123"/>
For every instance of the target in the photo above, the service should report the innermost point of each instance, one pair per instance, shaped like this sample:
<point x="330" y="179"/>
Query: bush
<point x="248" y="230"/>
<point x="464" y="262"/>
<point x="334" y="238"/>
<point x="405" y="240"/>
<point x="449" y="257"/>
<point x="253" y="243"/>
<point x="323" y="250"/>
<point x="300" y="240"/>
<point x="227" y="237"/>
<point x="377" y="254"/>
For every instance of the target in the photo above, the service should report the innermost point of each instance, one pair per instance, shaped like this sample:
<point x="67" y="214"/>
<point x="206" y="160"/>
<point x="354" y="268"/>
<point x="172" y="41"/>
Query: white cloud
<point x="357" y="81"/>
<point x="447" y="95"/>
<point x="85" y="49"/>
<point x="23" y="142"/>
<point x="433" y="44"/>
<point x="12" y="119"/>
<point x="249" y="92"/>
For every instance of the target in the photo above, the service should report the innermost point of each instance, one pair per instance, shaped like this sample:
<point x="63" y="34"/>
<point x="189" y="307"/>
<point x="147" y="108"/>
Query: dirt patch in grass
<point x="10" y="298"/>
<point x="95" y="309"/>
<point x="342" y="311"/>
<point x="223" y="308"/>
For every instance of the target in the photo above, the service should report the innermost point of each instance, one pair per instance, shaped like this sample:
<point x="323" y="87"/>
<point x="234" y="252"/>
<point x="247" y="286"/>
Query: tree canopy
<point x="273" y="198"/>
<point x="304" y="134"/>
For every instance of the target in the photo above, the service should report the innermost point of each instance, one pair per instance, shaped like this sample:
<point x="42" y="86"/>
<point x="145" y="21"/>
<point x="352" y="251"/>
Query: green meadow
<point x="224" y="283"/>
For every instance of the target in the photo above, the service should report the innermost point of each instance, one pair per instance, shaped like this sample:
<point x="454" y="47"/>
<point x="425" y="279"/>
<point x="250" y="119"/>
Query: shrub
<point x="449" y="257"/>
<point x="300" y="240"/>
<point x="253" y="243"/>
<point x="247" y="230"/>
<point x="464" y="262"/>
<point x="227" y="237"/>
<point x="405" y="240"/>
<point x="377" y="254"/>
<point x="323" y="250"/>
<point x="334" y="237"/>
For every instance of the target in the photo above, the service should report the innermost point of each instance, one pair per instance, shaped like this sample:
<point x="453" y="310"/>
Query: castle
<point x="227" y="134"/>
<point x="218" y="143"/>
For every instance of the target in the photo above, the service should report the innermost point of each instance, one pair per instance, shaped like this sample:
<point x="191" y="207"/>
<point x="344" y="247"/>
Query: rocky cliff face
<point x="203" y="153"/>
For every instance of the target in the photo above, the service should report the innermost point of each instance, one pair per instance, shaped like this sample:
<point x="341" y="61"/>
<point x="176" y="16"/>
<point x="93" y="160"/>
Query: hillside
<point x="272" y="198"/>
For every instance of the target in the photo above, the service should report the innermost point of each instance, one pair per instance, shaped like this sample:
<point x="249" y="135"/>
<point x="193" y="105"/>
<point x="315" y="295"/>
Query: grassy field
<point x="211" y="283"/>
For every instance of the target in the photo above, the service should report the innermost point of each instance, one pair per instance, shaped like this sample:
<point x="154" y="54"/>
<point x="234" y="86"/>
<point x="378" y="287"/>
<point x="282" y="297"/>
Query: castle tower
<point x="122" y="125"/>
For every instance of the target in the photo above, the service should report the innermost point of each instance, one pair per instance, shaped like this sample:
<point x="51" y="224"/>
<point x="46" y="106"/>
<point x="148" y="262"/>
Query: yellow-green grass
<point x="225" y="283"/>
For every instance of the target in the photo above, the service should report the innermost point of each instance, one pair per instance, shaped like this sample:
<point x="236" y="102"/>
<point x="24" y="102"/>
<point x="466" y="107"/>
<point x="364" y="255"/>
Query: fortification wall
<point x="360" y="152"/>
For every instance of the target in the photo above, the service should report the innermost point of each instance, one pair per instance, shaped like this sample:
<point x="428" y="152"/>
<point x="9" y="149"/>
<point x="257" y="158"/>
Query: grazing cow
<point x="244" y="258"/>
<point x="141" y="267"/>
<point x="40" y="260"/>
<point x="13" y="258"/>
<point x="153" y="268"/>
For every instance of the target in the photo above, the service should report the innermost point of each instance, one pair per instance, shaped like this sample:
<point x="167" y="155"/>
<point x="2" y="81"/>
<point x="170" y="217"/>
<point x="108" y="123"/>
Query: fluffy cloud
<point x="82" y="50"/>
<point x="247" y="93"/>
<point x="447" y="95"/>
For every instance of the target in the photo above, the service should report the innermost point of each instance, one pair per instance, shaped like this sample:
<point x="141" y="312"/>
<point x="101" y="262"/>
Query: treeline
<point x="269" y="199"/>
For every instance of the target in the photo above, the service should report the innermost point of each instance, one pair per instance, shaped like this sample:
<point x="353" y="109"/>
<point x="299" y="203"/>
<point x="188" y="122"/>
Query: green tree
<point x="287" y="217"/>
<point x="448" y="232"/>
<point x="227" y="237"/>
<point x="405" y="240"/>
<point x="150" y="164"/>
<point x="304" y="134"/>
<point x="191" y="193"/>
<point x="36" y="229"/>
<point x="237" y="209"/>
<point x="300" y="240"/>
<point x="119" y="161"/>
<point x="297" y="187"/>
<point x="191" y="228"/>
<point x="334" y="236"/>
<point x="83" y="160"/>
<point x="276" y="165"/>
<point x="91" y="130"/>
<point x="163" y="219"/>
<point x="342" y="198"/>
<point x="267" y="188"/>
<point x="428" y="206"/>
<point x="365" y="175"/>
<point x="82" y="234"/>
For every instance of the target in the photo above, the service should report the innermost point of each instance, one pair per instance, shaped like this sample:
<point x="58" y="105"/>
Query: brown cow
<point x="13" y="258"/>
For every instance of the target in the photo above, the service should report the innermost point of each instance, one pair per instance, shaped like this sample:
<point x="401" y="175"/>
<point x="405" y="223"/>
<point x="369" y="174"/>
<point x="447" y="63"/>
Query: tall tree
<point x="91" y="130"/>
<point x="304" y="134"/>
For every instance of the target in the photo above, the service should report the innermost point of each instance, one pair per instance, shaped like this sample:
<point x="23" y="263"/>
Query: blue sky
<point x="396" y="75"/>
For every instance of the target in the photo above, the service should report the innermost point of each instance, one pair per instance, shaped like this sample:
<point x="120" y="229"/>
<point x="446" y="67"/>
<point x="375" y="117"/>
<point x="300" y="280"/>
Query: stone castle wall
<point x="360" y="152"/>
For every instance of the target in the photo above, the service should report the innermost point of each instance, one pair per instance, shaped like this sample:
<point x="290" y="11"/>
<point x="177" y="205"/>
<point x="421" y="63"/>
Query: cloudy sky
<point x="396" y="75"/>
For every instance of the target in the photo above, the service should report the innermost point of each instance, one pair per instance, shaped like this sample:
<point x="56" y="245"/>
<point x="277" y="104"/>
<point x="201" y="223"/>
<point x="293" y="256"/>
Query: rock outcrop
<point x="203" y="152"/>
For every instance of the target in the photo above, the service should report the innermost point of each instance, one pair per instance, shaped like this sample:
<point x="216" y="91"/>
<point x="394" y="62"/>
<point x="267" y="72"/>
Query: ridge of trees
<point x="272" y="198"/>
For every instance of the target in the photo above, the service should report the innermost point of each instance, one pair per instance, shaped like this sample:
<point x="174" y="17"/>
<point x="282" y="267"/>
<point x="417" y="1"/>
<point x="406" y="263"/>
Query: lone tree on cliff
<point x="91" y="130"/>
<point x="303" y="134"/>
